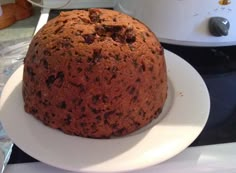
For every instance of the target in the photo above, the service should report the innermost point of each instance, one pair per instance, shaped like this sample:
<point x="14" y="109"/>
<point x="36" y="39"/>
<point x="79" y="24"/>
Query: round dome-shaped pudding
<point x="95" y="73"/>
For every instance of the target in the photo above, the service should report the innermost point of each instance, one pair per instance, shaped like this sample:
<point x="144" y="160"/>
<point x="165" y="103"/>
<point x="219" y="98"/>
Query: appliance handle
<point x="118" y="6"/>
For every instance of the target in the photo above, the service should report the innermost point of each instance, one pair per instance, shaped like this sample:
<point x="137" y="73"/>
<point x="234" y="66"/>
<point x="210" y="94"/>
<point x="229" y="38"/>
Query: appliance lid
<point x="77" y="4"/>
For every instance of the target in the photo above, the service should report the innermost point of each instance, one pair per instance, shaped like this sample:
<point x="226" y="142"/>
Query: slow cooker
<point x="183" y="22"/>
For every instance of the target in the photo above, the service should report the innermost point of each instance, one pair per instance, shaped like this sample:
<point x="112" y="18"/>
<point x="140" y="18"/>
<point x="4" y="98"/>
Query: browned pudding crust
<point x="95" y="73"/>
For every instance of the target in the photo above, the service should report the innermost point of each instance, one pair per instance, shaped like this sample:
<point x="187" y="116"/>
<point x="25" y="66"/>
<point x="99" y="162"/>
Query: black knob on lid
<point x="219" y="26"/>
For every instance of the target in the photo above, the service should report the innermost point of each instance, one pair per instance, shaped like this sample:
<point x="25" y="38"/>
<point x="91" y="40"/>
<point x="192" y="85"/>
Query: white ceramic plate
<point x="183" y="118"/>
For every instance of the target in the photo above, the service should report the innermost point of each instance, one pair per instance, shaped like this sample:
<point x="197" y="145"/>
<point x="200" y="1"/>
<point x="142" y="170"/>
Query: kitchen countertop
<point x="19" y="32"/>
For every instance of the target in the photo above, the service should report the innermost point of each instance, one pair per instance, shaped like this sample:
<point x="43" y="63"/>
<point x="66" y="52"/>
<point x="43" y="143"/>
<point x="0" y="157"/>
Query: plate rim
<point x="171" y="59"/>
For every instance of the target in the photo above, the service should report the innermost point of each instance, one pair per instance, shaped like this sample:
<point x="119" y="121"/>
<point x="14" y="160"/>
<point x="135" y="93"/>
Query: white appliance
<point x="180" y="22"/>
<point x="183" y="22"/>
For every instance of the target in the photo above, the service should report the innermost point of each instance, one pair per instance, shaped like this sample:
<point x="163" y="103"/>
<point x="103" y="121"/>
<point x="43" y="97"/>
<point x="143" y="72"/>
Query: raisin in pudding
<point x="95" y="73"/>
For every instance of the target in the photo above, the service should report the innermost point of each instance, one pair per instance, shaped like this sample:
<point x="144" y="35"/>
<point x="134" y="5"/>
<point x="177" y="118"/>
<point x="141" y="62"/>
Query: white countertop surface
<point x="219" y="158"/>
